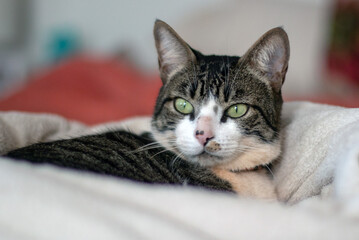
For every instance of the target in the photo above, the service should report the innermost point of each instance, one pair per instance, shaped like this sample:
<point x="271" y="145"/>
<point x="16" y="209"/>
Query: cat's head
<point x="220" y="110"/>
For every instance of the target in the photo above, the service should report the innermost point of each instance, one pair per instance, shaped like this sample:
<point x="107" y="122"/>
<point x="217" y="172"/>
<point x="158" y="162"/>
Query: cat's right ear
<point x="173" y="53"/>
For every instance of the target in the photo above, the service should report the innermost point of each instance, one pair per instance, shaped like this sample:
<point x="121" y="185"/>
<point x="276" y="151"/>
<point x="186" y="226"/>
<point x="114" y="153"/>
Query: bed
<point x="317" y="179"/>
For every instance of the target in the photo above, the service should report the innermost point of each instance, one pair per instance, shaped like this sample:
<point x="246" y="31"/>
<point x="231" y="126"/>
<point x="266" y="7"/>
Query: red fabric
<point x="88" y="90"/>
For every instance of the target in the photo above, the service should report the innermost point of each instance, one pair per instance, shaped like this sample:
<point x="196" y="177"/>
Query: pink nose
<point x="204" y="131"/>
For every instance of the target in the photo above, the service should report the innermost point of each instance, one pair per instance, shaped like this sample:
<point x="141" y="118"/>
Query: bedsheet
<point x="317" y="181"/>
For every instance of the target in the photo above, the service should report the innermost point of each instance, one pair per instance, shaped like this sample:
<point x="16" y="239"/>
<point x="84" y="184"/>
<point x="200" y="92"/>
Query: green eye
<point x="183" y="106"/>
<point x="237" y="110"/>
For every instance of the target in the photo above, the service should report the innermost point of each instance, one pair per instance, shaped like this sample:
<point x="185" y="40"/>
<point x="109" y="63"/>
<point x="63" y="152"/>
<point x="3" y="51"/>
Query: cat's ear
<point x="173" y="53"/>
<point x="268" y="57"/>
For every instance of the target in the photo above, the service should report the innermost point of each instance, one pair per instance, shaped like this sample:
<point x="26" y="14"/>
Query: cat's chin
<point x="205" y="159"/>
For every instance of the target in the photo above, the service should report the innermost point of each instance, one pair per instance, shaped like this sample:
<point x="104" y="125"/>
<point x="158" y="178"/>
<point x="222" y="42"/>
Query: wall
<point x="234" y="27"/>
<point x="107" y="24"/>
<point x="212" y="26"/>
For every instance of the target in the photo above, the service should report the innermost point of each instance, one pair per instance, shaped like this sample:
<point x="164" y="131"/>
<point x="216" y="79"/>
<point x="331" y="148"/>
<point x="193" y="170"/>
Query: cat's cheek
<point x="227" y="135"/>
<point x="185" y="138"/>
<point x="164" y="138"/>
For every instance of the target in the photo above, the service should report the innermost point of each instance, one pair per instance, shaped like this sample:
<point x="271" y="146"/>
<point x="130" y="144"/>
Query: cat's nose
<point x="203" y="132"/>
<point x="204" y="136"/>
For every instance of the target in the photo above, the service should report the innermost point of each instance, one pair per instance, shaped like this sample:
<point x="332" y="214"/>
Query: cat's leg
<point x="256" y="184"/>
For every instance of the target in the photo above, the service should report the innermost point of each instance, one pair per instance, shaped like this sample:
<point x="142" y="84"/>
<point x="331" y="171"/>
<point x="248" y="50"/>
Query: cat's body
<point x="220" y="113"/>
<point x="120" y="154"/>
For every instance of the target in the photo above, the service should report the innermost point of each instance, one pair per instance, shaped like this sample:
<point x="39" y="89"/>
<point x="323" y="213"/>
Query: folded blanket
<point x="320" y="142"/>
<point x="319" y="170"/>
<point x="19" y="129"/>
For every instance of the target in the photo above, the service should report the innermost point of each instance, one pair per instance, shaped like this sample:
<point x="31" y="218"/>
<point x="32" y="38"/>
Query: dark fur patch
<point x="114" y="153"/>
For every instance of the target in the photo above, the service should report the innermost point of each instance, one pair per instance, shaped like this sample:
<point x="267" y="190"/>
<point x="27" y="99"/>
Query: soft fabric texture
<point x="48" y="203"/>
<point x="318" y="176"/>
<point x="318" y="140"/>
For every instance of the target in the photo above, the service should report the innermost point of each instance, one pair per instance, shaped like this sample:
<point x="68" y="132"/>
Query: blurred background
<point x="84" y="59"/>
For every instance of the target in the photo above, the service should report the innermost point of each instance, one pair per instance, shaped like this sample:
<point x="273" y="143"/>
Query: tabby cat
<point x="216" y="122"/>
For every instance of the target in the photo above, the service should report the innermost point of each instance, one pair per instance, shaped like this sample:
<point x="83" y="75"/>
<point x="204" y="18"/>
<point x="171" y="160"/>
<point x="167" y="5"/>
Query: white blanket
<point x="318" y="175"/>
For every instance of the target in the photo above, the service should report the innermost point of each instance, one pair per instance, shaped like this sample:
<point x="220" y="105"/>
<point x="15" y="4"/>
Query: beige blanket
<point x="317" y="178"/>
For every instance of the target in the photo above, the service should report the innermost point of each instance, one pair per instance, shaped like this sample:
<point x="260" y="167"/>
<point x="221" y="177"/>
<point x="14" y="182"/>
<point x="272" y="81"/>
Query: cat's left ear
<point x="268" y="57"/>
<point x="173" y="52"/>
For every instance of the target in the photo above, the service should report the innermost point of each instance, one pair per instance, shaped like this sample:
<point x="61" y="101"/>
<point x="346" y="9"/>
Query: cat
<point x="216" y="122"/>
<point x="222" y="112"/>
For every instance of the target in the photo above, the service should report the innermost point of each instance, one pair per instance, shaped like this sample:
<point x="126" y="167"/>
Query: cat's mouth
<point x="209" y="156"/>
<point x="210" y="149"/>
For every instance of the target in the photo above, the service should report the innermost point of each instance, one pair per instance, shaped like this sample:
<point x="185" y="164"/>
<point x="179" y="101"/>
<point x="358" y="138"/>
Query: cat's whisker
<point x="150" y="144"/>
<point x="244" y="150"/>
<point x="270" y="170"/>
<point x="153" y="145"/>
<point x="147" y="147"/>
<point x="176" y="158"/>
<point x="240" y="151"/>
<point x="165" y="150"/>
<point x="249" y="147"/>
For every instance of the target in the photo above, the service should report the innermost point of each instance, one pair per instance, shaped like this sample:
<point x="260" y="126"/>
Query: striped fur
<point x="121" y="154"/>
